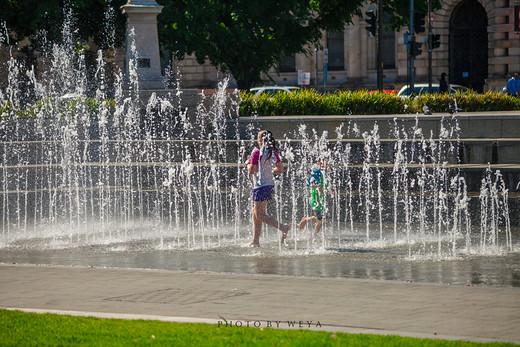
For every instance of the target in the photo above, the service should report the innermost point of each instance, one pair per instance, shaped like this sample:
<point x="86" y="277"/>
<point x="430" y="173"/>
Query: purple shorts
<point x="264" y="193"/>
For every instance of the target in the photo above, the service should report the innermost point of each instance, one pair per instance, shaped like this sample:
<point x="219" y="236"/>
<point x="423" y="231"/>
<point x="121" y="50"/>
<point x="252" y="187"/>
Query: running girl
<point x="263" y="165"/>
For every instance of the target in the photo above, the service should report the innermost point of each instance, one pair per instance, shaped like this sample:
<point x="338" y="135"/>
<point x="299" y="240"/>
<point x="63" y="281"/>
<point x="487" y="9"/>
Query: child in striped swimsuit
<point x="318" y="183"/>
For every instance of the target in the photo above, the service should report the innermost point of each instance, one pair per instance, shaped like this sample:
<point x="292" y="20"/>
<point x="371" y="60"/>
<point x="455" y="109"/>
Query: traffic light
<point x="436" y="41"/>
<point x="418" y="22"/>
<point x="371" y="20"/>
<point x="416" y="48"/>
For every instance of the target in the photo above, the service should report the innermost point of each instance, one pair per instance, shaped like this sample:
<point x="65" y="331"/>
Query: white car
<point x="421" y="88"/>
<point x="272" y="90"/>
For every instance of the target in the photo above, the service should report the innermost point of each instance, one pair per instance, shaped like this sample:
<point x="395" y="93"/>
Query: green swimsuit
<point x="317" y="200"/>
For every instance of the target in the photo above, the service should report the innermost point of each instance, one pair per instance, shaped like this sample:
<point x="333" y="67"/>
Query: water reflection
<point x="383" y="264"/>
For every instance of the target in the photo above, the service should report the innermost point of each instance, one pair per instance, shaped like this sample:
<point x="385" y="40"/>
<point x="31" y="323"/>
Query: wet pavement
<point x="361" y="288"/>
<point x="384" y="263"/>
<point x="234" y="301"/>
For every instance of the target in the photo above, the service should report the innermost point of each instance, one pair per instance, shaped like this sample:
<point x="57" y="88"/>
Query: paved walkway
<point x="326" y="304"/>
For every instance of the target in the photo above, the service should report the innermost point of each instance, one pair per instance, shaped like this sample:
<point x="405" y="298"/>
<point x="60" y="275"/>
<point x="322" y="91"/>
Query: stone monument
<point x="142" y="18"/>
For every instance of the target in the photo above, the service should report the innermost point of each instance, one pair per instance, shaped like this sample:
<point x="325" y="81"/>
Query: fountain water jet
<point x="96" y="171"/>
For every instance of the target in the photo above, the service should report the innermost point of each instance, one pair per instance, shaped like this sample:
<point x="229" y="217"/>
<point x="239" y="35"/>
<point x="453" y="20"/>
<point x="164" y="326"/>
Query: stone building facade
<point x="479" y="48"/>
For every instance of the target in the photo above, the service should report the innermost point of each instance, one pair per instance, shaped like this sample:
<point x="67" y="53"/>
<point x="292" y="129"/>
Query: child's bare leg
<point x="257" y="228"/>
<point x="317" y="228"/>
<point x="260" y="214"/>
<point x="285" y="230"/>
<point x="304" y="222"/>
<point x="257" y="231"/>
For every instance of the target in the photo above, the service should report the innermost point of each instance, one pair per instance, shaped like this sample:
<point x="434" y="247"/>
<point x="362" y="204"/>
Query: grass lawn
<point x="32" y="329"/>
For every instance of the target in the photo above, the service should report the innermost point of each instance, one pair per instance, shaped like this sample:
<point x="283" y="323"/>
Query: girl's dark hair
<point x="268" y="142"/>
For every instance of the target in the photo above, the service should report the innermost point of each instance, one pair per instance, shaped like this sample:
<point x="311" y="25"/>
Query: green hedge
<point x="50" y="108"/>
<point x="303" y="102"/>
<point x="310" y="102"/>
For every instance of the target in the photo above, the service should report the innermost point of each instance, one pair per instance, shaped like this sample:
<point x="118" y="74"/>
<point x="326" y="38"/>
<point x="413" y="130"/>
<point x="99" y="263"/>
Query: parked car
<point x="421" y="88"/>
<point x="272" y="90"/>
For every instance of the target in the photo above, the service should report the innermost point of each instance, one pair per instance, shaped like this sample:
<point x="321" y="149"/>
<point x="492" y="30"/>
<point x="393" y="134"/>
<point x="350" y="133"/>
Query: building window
<point x="288" y="64"/>
<point x="336" y="46"/>
<point x="388" y="43"/>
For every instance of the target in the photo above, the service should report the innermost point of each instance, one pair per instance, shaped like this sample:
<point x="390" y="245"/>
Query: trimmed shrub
<point x="310" y="102"/>
<point x="49" y="108"/>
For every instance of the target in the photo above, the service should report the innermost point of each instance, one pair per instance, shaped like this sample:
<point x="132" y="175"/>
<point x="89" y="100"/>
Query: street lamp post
<point x="379" y="45"/>
<point x="411" y="51"/>
<point x="430" y="45"/>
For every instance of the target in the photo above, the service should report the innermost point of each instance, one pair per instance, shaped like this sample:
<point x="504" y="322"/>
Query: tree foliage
<point x="400" y="10"/>
<point x="248" y="37"/>
<point x="244" y="37"/>
<point x="43" y="21"/>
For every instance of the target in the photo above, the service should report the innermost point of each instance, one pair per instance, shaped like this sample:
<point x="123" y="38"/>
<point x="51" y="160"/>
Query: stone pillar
<point x="142" y="18"/>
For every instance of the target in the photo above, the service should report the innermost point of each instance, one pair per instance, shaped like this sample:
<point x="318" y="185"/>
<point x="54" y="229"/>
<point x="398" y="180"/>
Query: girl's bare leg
<point x="257" y="231"/>
<point x="257" y="223"/>
<point x="260" y="214"/>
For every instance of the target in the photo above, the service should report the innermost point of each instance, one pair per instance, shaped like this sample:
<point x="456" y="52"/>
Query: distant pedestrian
<point x="513" y="85"/>
<point x="443" y="85"/>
